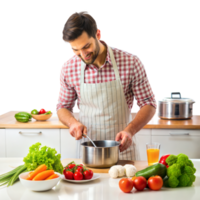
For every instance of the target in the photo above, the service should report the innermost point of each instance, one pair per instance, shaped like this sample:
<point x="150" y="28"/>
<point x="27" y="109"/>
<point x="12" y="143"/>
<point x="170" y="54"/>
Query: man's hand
<point x="77" y="129"/>
<point x="126" y="140"/>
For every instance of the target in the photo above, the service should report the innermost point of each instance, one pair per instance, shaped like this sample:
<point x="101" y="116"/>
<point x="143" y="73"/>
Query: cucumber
<point x="153" y="170"/>
<point x="22" y="120"/>
<point x="24" y="114"/>
<point x="22" y="117"/>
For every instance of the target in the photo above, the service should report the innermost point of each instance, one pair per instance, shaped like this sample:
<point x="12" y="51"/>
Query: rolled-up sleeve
<point x="141" y="87"/>
<point x="67" y="94"/>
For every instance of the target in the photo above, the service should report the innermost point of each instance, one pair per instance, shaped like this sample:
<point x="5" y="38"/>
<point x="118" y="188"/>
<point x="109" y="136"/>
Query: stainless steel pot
<point x="104" y="155"/>
<point x="175" y="107"/>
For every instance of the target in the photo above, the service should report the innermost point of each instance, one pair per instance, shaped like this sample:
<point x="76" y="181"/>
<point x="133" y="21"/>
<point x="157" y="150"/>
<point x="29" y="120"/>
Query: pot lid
<point x="177" y="99"/>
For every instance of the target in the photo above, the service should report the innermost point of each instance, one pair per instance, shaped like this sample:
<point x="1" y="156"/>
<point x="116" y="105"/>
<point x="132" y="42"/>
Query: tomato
<point x="88" y="174"/>
<point x="71" y="166"/>
<point x="140" y="183"/>
<point x="78" y="176"/>
<point x="42" y="111"/>
<point x="126" y="185"/>
<point x="79" y="169"/>
<point x="155" y="182"/>
<point x="69" y="175"/>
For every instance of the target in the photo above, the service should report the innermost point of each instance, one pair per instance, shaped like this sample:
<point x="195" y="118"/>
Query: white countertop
<point x="100" y="189"/>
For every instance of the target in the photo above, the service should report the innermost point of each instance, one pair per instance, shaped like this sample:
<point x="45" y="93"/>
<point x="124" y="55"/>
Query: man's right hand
<point x="77" y="130"/>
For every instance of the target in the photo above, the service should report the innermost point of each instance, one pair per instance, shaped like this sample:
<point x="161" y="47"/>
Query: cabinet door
<point x="178" y="141"/>
<point x="68" y="145"/>
<point x="18" y="141"/>
<point x="2" y="143"/>
<point x="143" y="137"/>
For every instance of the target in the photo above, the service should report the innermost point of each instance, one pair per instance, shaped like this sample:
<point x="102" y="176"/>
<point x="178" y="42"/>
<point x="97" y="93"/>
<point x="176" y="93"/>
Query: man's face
<point x="86" y="48"/>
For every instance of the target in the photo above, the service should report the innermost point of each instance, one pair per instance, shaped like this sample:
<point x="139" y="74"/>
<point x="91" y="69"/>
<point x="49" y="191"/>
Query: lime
<point x="34" y="112"/>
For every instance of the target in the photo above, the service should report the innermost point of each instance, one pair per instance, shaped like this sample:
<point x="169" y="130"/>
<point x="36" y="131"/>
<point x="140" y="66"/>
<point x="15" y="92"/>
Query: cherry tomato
<point x="155" y="182"/>
<point x="79" y="169"/>
<point x="69" y="175"/>
<point x="126" y="185"/>
<point x="71" y="166"/>
<point x="88" y="174"/>
<point x="78" y="176"/>
<point x="140" y="183"/>
<point x="42" y="111"/>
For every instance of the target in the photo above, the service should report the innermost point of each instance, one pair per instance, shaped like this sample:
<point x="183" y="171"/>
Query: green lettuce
<point x="44" y="155"/>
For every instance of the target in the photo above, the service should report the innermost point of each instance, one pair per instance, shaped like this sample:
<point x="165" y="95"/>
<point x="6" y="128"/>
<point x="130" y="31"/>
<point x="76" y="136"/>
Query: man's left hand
<point x="126" y="140"/>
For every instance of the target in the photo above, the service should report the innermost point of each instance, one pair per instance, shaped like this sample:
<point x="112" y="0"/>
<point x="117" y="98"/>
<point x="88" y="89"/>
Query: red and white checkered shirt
<point x="131" y="71"/>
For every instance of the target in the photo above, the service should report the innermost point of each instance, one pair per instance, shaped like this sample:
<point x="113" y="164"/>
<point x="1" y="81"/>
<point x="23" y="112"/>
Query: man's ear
<point x="98" y="34"/>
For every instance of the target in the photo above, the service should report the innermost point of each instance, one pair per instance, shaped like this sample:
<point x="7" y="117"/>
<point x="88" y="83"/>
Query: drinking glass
<point x="153" y="150"/>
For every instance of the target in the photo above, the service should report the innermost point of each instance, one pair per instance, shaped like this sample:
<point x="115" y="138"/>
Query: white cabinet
<point x="2" y="142"/>
<point x="18" y="141"/>
<point x="68" y="145"/>
<point x="178" y="141"/>
<point x="143" y="137"/>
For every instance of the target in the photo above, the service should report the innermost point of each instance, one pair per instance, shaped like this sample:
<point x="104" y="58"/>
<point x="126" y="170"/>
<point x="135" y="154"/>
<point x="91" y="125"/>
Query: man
<point x="105" y="81"/>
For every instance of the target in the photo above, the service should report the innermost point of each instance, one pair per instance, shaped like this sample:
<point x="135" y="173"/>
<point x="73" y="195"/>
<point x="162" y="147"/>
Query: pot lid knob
<point x="175" y="95"/>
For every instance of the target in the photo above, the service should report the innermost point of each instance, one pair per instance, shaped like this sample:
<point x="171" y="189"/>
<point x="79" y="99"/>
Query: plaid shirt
<point x="131" y="71"/>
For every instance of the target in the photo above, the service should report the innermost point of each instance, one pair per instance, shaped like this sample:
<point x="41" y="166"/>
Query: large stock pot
<point x="104" y="155"/>
<point x="175" y="107"/>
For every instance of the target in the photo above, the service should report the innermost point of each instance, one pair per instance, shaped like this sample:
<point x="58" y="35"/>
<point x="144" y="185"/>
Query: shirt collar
<point x="108" y="59"/>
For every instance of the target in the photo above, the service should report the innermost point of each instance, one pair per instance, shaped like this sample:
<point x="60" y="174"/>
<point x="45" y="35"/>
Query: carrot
<point x="52" y="176"/>
<point x="39" y="169"/>
<point x="43" y="175"/>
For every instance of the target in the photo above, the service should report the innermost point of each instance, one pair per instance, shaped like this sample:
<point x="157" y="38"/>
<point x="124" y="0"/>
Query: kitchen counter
<point x="8" y="120"/>
<point x="102" y="188"/>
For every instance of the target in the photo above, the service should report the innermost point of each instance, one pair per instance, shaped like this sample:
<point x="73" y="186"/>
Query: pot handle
<point x="175" y="95"/>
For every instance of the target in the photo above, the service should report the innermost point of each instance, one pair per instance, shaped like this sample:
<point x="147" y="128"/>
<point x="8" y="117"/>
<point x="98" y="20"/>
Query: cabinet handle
<point x="179" y="134"/>
<point x="30" y="133"/>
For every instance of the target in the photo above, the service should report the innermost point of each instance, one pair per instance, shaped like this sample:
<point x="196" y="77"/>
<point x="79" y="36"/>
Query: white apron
<point x="104" y="111"/>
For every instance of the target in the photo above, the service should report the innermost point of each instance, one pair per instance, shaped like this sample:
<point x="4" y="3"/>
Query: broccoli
<point x="174" y="170"/>
<point x="180" y="172"/>
<point x="171" y="181"/>
<point x="171" y="160"/>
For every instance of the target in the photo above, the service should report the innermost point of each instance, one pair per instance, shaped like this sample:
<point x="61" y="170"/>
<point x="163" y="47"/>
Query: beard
<point x="94" y="54"/>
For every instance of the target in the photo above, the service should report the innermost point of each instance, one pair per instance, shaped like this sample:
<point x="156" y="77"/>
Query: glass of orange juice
<point x="153" y="150"/>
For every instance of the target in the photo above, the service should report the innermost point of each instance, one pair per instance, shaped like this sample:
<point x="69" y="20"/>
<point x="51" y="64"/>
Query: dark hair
<point x="76" y="24"/>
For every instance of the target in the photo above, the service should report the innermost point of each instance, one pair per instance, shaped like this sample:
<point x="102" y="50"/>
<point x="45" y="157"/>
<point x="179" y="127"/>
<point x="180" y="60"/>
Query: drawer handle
<point x="179" y="134"/>
<point x="30" y="133"/>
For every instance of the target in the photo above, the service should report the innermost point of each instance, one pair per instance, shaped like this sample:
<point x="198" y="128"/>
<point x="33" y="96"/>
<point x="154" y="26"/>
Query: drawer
<point x="178" y="141"/>
<point x="175" y="132"/>
<point x="18" y="141"/>
<point x="2" y="142"/>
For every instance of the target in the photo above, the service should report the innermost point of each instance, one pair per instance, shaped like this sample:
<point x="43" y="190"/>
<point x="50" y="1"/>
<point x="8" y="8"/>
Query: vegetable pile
<point x="36" y="157"/>
<point x="180" y="172"/>
<point x="25" y="116"/>
<point x="77" y="172"/>
<point x="171" y="171"/>
<point x="41" y="112"/>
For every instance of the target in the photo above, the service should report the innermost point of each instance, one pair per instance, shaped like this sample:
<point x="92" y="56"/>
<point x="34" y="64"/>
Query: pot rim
<point x="117" y="143"/>
<point x="178" y="99"/>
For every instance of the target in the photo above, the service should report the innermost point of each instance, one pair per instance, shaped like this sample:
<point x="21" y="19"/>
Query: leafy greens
<point x="44" y="155"/>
